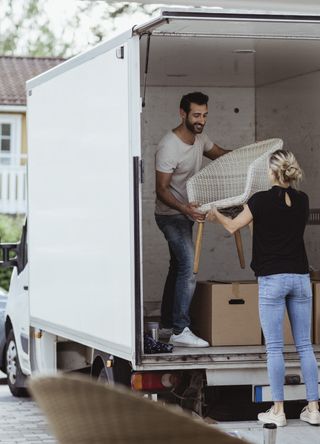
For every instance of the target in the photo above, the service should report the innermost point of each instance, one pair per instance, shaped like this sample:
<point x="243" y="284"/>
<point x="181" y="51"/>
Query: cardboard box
<point x="226" y="313"/>
<point x="316" y="312"/>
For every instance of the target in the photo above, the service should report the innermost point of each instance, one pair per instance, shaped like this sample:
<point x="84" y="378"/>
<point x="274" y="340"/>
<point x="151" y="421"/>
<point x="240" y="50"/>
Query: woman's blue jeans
<point x="180" y="283"/>
<point x="276" y="293"/>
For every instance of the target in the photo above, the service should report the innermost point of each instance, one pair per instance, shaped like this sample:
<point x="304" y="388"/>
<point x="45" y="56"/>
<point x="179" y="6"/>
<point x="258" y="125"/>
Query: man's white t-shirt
<point x="183" y="161"/>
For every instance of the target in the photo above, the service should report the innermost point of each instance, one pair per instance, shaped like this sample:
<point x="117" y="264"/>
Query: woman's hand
<point x="231" y="225"/>
<point x="211" y="215"/>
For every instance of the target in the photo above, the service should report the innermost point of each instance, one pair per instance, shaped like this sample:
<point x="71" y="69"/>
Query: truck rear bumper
<point x="251" y="360"/>
<point x="291" y="393"/>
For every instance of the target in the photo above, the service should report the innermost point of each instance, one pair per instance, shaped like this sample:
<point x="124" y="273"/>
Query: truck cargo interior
<point x="262" y="80"/>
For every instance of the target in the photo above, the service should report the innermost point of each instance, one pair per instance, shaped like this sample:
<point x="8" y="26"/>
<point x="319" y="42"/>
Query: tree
<point x="31" y="27"/>
<point x="10" y="231"/>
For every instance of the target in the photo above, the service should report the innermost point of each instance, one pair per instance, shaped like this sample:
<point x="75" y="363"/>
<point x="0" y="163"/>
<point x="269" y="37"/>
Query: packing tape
<point x="235" y="290"/>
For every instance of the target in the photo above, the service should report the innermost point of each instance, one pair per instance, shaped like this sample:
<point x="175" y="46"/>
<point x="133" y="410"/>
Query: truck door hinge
<point x="141" y="170"/>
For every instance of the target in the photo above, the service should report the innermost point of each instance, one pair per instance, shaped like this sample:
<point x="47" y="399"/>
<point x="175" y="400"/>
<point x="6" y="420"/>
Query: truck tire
<point x="13" y="369"/>
<point x="122" y="372"/>
<point x="119" y="373"/>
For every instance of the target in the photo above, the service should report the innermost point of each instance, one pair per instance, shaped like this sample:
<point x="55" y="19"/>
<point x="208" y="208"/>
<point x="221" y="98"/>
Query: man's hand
<point x="190" y="210"/>
<point x="215" y="152"/>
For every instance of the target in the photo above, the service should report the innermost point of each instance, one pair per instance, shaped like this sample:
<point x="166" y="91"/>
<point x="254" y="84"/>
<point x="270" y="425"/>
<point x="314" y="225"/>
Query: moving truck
<point x="91" y="264"/>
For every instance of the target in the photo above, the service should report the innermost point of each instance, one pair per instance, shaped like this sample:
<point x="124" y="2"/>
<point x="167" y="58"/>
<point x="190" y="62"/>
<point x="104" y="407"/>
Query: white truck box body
<point x="76" y="191"/>
<point x="87" y="216"/>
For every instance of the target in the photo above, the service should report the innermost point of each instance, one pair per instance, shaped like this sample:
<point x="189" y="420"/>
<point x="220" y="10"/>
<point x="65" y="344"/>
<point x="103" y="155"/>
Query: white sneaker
<point x="270" y="416"/>
<point x="310" y="416"/>
<point x="187" y="339"/>
<point x="165" y="333"/>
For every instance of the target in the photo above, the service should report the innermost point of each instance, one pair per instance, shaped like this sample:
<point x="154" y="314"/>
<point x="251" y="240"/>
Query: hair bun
<point x="285" y="167"/>
<point x="290" y="171"/>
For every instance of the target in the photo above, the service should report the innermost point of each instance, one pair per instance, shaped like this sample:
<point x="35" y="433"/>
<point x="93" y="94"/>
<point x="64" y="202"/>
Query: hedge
<point x="10" y="231"/>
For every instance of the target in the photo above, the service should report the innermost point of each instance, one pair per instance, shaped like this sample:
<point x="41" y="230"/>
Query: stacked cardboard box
<point x="226" y="313"/>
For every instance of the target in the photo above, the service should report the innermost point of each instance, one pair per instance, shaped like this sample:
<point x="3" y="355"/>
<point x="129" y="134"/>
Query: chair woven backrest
<point x="231" y="179"/>
<point x="81" y="411"/>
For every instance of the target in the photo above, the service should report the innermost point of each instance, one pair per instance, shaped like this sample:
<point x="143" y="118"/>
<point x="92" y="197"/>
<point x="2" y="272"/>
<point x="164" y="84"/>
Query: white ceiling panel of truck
<point x="210" y="49"/>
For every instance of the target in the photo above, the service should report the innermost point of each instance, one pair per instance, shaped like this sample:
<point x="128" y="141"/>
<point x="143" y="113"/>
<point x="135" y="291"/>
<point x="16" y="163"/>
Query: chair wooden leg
<point x="237" y="237"/>
<point x="198" y="247"/>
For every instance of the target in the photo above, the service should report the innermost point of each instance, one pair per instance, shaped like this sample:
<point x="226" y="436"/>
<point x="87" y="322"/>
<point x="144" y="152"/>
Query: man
<point x="178" y="157"/>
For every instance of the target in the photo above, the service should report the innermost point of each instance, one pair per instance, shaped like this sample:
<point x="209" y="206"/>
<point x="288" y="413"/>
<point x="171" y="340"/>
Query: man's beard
<point x="195" y="128"/>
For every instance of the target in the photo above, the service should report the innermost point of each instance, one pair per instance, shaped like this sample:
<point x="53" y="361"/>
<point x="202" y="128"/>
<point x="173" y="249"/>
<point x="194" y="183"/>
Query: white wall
<point x="225" y="127"/>
<point x="290" y="110"/>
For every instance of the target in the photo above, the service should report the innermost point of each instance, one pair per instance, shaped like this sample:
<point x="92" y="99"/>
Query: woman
<point x="279" y="261"/>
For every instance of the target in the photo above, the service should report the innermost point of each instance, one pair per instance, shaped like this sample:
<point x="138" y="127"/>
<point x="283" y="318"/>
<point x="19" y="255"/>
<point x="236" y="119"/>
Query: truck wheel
<point x="13" y="369"/>
<point x="122" y="372"/>
<point x="119" y="373"/>
<point x="106" y="376"/>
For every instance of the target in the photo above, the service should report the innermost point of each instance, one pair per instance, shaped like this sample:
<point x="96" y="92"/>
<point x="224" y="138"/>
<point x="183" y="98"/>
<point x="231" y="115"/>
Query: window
<point x="10" y="139"/>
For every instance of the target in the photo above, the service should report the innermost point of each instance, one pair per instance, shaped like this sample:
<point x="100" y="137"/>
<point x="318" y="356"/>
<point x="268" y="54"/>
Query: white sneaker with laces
<point x="270" y="416"/>
<point x="310" y="416"/>
<point x="187" y="339"/>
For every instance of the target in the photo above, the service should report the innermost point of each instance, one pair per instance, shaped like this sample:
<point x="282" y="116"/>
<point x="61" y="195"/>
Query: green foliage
<point x="27" y="28"/>
<point x="10" y="231"/>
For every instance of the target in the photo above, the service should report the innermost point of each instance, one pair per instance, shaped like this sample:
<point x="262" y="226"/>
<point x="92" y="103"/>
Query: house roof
<point x="15" y="71"/>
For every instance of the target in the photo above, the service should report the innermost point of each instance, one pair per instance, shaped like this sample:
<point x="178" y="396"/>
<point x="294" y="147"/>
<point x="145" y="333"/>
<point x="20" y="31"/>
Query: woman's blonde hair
<point x="285" y="167"/>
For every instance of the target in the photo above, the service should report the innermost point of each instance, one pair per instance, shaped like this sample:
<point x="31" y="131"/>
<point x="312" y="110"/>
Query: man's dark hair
<point x="196" y="97"/>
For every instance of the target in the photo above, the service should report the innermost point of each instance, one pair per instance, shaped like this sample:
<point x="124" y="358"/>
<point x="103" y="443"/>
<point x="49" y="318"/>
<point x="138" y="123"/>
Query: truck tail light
<point x="154" y="381"/>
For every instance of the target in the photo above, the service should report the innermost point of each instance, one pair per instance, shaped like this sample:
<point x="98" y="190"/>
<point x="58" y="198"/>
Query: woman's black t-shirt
<point x="278" y="229"/>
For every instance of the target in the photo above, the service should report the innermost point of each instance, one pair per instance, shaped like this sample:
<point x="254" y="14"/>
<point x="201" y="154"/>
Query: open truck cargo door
<point x="246" y="24"/>
<point x="310" y="6"/>
<point x="82" y="151"/>
<point x="240" y="48"/>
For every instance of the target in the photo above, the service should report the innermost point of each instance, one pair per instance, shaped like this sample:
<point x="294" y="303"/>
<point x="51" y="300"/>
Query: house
<point x="14" y="72"/>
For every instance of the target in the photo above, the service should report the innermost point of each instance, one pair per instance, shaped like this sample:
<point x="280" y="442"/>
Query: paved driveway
<point x="21" y="421"/>
<point x="296" y="432"/>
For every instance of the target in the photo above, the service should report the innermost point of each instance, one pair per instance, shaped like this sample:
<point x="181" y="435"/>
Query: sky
<point x="59" y="13"/>
<point x="57" y="9"/>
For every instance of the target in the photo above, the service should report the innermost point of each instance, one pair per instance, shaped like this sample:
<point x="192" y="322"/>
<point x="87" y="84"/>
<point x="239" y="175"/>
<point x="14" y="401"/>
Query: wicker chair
<point x="81" y="411"/>
<point x="229" y="181"/>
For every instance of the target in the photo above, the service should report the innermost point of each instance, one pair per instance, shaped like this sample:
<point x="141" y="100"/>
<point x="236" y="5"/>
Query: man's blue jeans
<point x="276" y="292"/>
<point x="180" y="283"/>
